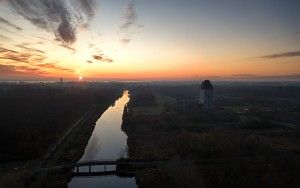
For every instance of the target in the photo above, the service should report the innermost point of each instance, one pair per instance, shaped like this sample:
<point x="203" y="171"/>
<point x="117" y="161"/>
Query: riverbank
<point x="159" y="128"/>
<point x="73" y="147"/>
<point x="69" y="146"/>
<point x="107" y="144"/>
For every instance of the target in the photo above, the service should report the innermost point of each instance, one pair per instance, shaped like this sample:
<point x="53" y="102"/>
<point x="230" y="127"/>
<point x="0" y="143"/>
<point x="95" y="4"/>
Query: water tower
<point x="206" y="94"/>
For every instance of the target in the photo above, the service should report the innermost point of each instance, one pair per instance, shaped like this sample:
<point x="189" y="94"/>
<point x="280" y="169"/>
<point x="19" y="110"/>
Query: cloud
<point x="129" y="22"/>
<point x="285" y="35"/>
<point x="4" y="38"/>
<point x="290" y="76"/>
<point x="26" y="68"/>
<point x="68" y="47"/>
<point x="91" y="45"/>
<point x="28" y="57"/>
<point x="3" y="50"/>
<point x="12" y="56"/>
<point x="7" y="69"/>
<point x="281" y="55"/>
<point x="54" y="66"/>
<point x="243" y="75"/>
<point x="13" y="70"/>
<point x="125" y="40"/>
<point x="6" y="22"/>
<point x="102" y="58"/>
<point x="25" y="47"/>
<point x="61" y="17"/>
<point x="31" y="62"/>
<point x="130" y="16"/>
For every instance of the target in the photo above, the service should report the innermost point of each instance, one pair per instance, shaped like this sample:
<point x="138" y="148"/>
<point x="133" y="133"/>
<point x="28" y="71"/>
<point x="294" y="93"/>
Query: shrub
<point x="212" y="144"/>
<point x="253" y="123"/>
<point x="205" y="145"/>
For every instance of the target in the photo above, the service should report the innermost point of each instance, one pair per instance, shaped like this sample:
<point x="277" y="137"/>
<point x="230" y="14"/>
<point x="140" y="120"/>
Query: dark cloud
<point x="4" y="37"/>
<point x="130" y="16"/>
<point x="98" y="55"/>
<point x="26" y="68"/>
<point x="3" y="50"/>
<point x="12" y="56"/>
<point x="31" y="62"/>
<point x="58" y="16"/>
<point x="86" y="7"/>
<point x="25" y="59"/>
<point x="6" y="22"/>
<point x="25" y="47"/>
<point x="281" y="55"/>
<point x="7" y="69"/>
<point x="290" y="76"/>
<point x="102" y="58"/>
<point x="66" y="32"/>
<point x="64" y="45"/>
<point x="5" y="29"/>
<point x="20" y="56"/>
<point x="125" y="40"/>
<point x="91" y="45"/>
<point x="129" y="22"/>
<point x="54" y="66"/>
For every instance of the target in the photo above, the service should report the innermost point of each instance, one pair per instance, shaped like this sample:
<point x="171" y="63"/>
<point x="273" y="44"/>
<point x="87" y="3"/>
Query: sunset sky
<point x="149" y="39"/>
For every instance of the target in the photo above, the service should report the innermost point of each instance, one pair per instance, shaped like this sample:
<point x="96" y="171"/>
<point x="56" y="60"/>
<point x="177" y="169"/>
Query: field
<point x="254" y="131"/>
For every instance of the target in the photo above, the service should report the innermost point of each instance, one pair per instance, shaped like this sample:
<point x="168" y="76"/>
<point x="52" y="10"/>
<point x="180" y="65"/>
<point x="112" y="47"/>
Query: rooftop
<point x="206" y="85"/>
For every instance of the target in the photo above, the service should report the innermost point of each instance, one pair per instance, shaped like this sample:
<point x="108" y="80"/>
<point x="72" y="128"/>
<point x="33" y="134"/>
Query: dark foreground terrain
<point x="250" y="138"/>
<point x="34" y="118"/>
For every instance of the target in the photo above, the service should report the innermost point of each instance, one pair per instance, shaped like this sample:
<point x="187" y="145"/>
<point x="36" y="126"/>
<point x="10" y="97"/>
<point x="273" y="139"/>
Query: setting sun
<point x="126" y="40"/>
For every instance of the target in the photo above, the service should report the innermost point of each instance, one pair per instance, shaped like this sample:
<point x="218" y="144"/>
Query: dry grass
<point x="163" y="99"/>
<point x="14" y="175"/>
<point x="152" y="110"/>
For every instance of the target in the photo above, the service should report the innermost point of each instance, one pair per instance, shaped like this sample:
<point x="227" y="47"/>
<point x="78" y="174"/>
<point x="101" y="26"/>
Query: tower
<point x="206" y="94"/>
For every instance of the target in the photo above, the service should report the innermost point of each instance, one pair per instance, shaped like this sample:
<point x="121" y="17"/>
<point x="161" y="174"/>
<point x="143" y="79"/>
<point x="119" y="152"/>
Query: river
<point x="108" y="141"/>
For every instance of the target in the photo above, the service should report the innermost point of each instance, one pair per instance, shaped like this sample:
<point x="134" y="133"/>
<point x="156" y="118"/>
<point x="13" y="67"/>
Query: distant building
<point x="206" y="94"/>
<point x="61" y="80"/>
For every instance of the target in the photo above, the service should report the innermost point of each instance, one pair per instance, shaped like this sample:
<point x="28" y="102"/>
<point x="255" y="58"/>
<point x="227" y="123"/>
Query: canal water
<point x="108" y="141"/>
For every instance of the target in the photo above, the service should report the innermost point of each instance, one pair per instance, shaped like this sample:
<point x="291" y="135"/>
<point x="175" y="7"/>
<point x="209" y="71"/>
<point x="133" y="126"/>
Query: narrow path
<point x="67" y="135"/>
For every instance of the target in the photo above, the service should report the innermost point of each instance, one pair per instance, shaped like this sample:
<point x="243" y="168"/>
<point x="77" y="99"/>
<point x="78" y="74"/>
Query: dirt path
<point x="56" y="148"/>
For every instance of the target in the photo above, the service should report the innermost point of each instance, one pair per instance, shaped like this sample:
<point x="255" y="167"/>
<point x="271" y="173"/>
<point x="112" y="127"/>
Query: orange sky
<point x="150" y="41"/>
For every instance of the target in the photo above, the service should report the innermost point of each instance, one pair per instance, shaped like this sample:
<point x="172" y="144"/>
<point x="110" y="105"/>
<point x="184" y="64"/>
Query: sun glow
<point x="113" y="48"/>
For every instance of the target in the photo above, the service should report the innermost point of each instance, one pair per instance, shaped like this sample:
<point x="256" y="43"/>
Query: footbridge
<point x="127" y="167"/>
<point x="119" y="167"/>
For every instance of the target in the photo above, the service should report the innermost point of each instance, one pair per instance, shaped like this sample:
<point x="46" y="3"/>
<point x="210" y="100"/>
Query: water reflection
<point x="107" y="142"/>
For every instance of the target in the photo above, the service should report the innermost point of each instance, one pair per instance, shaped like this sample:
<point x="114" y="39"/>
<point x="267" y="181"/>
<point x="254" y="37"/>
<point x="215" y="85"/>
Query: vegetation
<point x="249" y="139"/>
<point x="34" y="116"/>
<point x="250" y="145"/>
